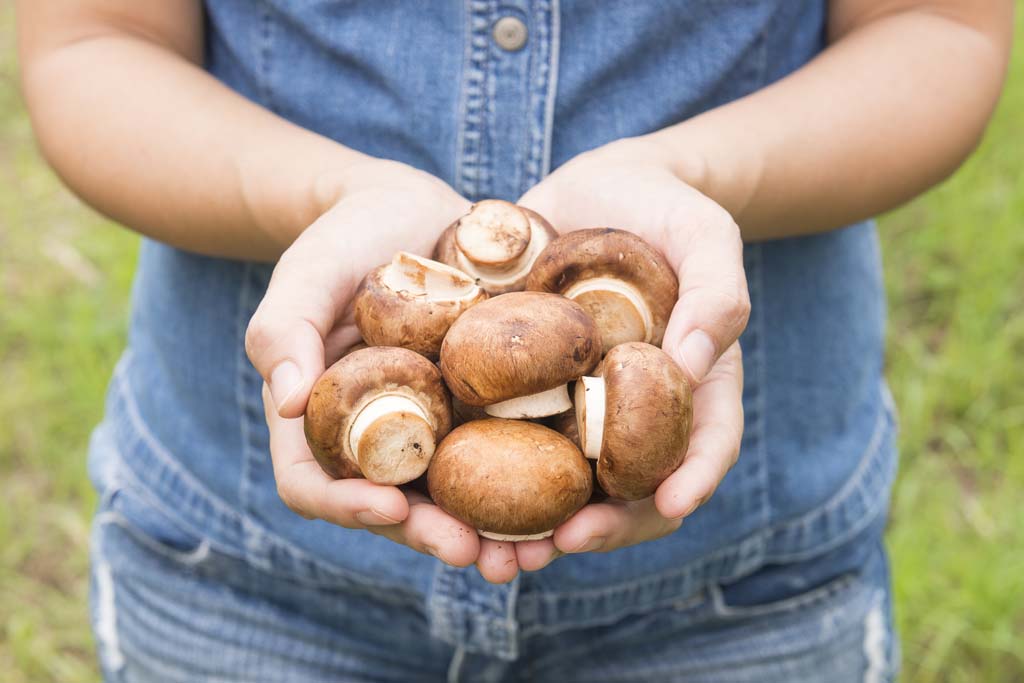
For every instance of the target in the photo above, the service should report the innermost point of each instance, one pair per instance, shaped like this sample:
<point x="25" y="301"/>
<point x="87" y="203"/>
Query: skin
<point x="908" y="85"/>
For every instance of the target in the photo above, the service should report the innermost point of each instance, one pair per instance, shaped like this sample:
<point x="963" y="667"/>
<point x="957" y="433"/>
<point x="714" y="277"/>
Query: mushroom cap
<point x="615" y="254"/>
<point x="518" y="344"/>
<point x="509" y="477"/>
<point x="411" y="302"/>
<point x="648" y="416"/>
<point x="351" y="384"/>
<point x="496" y="244"/>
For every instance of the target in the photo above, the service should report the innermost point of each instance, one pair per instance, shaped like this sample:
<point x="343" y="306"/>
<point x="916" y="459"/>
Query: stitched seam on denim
<point x="105" y="611"/>
<point x="128" y="480"/>
<point x="439" y="607"/>
<point x="869" y="515"/>
<point x="724" y="554"/>
<point x="859" y="484"/>
<point x="243" y="418"/>
<point x="460" y="133"/>
<point x="695" y="664"/>
<point x="190" y="558"/>
<point x="833" y="587"/>
<point x="751" y="549"/>
<point x="265" y="50"/>
<point x="225" y="515"/>
<point x="147" y="620"/>
<point x="471" y="160"/>
<point x="876" y="639"/>
<point x="757" y="260"/>
<point x="554" y="48"/>
<point x="511" y="625"/>
<point x="538" y="74"/>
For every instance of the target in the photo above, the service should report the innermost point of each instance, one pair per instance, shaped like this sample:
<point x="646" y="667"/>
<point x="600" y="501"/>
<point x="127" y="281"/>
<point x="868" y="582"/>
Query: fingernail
<point x="374" y="517"/>
<point x="693" y="508"/>
<point x="697" y="353"/>
<point x="590" y="545"/>
<point x="285" y="380"/>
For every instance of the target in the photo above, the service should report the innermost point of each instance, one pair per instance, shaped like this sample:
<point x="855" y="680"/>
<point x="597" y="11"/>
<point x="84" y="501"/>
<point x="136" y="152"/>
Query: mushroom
<point x="625" y="284"/>
<point x="411" y="302"/>
<point x="510" y="480"/>
<point x="463" y="412"/>
<point x="496" y="243"/>
<point x="515" y="353"/>
<point x="378" y="413"/>
<point x="634" y="418"/>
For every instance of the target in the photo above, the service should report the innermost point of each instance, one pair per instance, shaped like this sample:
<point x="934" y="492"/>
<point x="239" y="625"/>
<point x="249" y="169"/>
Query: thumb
<point x="714" y="303"/>
<point x="285" y="337"/>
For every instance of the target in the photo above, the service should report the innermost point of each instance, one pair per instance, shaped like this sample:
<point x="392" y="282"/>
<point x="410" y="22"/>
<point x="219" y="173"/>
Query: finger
<point x="339" y="342"/>
<point x="430" y="530"/>
<point x="309" y="288"/>
<point x="497" y="561"/>
<point x="535" y="555"/>
<point x="308" y="490"/>
<point x="615" y="524"/>
<point x="715" y="440"/>
<point x="714" y="304"/>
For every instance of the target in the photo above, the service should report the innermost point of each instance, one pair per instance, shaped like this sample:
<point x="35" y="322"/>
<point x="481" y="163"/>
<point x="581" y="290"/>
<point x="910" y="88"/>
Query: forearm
<point x="150" y="139"/>
<point x="888" y="110"/>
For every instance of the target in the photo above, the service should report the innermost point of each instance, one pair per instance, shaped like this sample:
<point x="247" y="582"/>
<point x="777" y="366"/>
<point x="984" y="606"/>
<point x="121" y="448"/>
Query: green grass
<point x="955" y="277"/>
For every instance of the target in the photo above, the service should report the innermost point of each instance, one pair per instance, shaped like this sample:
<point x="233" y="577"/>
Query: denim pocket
<point x="804" y="600"/>
<point x="152" y="527"/>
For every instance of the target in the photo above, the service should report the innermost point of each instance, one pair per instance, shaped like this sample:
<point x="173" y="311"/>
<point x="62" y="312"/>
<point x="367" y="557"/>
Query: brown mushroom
<point x="411" y="302"/>
<point x="378" y="413"/>
<point x="515" y="353"/>
<point x="510" y="480"/>
<point x="634" y="417"/>
<point x="496" y="243"/>
<point x="625" y="284"/>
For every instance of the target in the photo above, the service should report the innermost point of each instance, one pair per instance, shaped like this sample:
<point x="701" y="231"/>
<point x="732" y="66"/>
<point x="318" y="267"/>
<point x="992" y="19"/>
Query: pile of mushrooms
<point x="539" y="349"/>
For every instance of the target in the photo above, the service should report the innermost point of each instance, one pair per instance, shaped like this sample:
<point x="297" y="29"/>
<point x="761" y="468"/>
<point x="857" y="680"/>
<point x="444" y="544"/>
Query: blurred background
<point x="955" y="278"/>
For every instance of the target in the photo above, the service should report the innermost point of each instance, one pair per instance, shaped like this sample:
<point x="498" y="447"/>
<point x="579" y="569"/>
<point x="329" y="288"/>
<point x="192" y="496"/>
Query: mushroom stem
<point x="590" y="410"/>
<point x="392" y="439"/>
<point x="508" y="272"/>
<point x="542" y="404"/>
<point x="619" y="309"/>
<point x="511" y="538"/>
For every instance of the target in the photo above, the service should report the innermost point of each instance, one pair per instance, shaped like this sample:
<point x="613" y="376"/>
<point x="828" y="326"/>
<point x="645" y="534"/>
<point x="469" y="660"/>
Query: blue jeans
<point x="169" y="607"/>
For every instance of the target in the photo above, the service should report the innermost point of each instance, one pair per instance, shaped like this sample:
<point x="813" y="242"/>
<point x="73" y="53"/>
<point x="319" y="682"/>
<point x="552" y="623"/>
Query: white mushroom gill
<point x="620" y="288"/>
<point x="542" y="404"/>
<point x="421" y="277"/>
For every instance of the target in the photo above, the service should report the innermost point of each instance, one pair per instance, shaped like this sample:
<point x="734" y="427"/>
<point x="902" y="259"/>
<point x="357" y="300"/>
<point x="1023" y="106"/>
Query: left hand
<point x="630" y="184"/>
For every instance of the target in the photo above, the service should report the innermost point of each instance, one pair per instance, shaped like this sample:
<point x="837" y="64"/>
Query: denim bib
<point x="427" y="83"/>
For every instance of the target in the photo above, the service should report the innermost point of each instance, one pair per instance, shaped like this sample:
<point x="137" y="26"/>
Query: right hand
<point x="304" y="323"/>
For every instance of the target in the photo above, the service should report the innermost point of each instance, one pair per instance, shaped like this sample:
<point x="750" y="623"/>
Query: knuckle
<point x="257" y="335"/>
<point x="288" y="493"/>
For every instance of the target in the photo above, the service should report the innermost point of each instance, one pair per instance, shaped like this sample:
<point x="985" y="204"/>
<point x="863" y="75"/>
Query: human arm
<point x="133" y="125"/>
<point x="895" y="103"/>
<point x="125" y="114"/>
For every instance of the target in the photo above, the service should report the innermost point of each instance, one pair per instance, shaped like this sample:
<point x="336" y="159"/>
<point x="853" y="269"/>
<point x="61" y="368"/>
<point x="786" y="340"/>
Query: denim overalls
<point x="200" y="571"/>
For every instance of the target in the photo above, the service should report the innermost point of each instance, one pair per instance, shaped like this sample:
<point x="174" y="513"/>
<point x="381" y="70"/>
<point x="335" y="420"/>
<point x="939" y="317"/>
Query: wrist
<point x="706" y="160"/>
